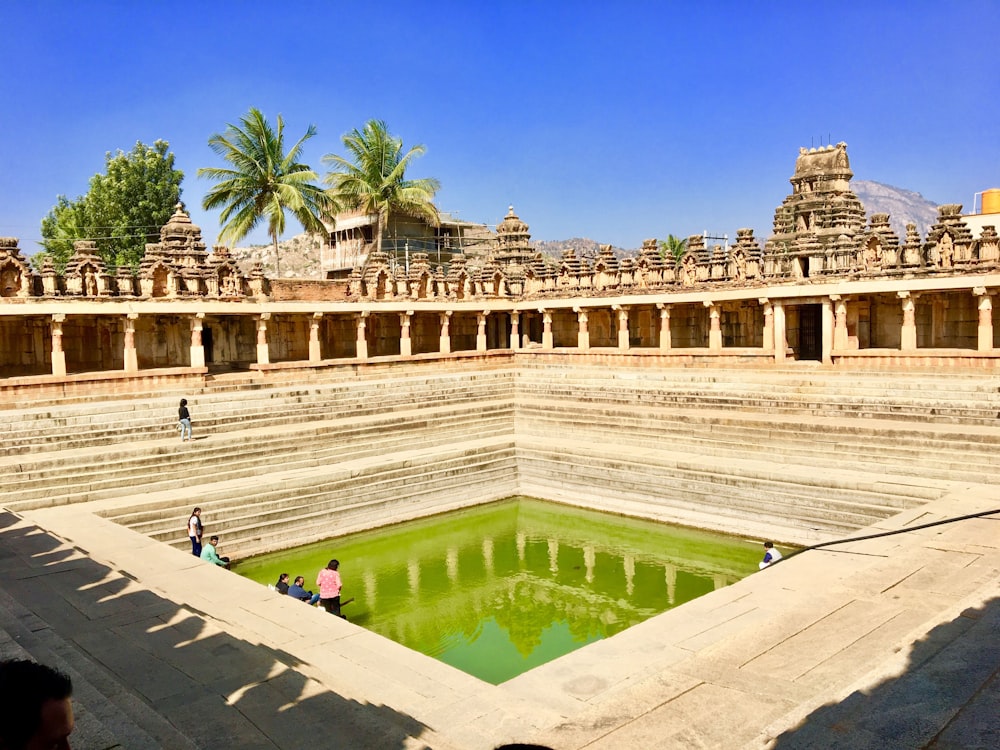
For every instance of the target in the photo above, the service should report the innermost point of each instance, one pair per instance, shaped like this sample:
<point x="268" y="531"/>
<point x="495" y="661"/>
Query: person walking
<point x="195" y="530"/>
<point x="184" y="420"/>
<point x="330" y="585"/>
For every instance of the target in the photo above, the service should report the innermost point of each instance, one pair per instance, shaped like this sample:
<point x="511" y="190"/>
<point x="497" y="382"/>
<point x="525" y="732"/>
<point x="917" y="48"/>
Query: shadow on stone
<point x="151" y="673"/>
<point x="947" y="697"/>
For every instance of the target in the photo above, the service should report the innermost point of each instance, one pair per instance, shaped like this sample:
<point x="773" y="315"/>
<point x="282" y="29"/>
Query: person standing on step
<point x="35" y="706"/>
<point x="184" y="420"/>
<point x="330" y="585"/>
<point x="194" y="531"/>
<point x="771" y="555"/>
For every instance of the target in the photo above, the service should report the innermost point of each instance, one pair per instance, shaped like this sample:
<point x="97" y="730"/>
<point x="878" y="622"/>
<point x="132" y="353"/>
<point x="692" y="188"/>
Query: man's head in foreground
<point x="35" y="708"/>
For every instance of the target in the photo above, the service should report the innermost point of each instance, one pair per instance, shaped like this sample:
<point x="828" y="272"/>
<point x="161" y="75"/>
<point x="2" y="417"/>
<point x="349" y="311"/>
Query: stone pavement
<point x="891" y="642"/>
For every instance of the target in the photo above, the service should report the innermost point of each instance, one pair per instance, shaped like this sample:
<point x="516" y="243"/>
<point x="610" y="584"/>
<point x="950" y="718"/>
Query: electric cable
<point x="888" y="533"/>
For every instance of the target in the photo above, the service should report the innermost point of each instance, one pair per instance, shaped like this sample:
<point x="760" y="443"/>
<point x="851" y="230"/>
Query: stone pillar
<point x="583" y="333"/>
<point x="714" y="326"/>
<point x="405" y="343"/>
<point x="315" y="350"/>
<point x="131" y="358"/>
<point x="908" y="333"/>
<point x="664" y="326"/>
<point x="985" y="319"/>
<point x="547" y="342"/>
<point x="445" y="345"/>
<point x="768" y="335"/>
<point x="263" y="351"/>
<point x="827" y="333"/>
<point x="481" y="331"/>
<point x="197" y="346"/>
<point x="361" y="343"/>
<point x="515" y="334"/>
<point x="840" y="322"/>
<point x="58" y="355"/>
<point x="622" y="326"/>
<point x="780" y="344"/>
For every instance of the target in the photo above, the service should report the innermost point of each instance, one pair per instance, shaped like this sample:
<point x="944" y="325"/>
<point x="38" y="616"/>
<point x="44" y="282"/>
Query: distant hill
<point x="585" y="248"/>
<point x="903" y="206"/>
<point x="299" y="255"/>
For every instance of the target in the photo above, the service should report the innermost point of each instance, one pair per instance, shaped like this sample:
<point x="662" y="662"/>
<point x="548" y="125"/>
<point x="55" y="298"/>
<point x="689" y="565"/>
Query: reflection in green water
<point x="500" y="589"/>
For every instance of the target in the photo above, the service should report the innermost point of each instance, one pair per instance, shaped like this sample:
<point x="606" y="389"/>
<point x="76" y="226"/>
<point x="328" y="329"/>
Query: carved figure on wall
<point x="689" y="275"/>
<point x="10" y="281"/>
<point x="89" y="282"/>
<point x="871" y="256"/>
<point x="946" y="251"/>
<point x="739" y="265"/>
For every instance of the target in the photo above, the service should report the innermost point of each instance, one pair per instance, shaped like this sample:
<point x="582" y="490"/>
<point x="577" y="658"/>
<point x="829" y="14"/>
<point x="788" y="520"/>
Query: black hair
<point x="213" y="539"/>
<point x="333" y="564"/>
<point x="282" y="576"/>
<point x="24" y="688"/>
<point x="184" y="402"/>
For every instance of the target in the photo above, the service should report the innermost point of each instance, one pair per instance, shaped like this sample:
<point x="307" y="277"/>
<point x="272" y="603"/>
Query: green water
<point x="500" y="589"/>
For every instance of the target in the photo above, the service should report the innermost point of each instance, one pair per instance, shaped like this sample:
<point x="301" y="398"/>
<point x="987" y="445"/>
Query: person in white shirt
<point x="771" y="555"/>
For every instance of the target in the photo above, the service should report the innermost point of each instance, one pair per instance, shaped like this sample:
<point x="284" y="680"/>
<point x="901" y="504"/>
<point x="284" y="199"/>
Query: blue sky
<point x="613" y="121"/>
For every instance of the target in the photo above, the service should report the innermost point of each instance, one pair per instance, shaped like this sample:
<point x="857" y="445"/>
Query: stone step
<point x="252" y="453"/>
<point x="926" y="410"/>
<point x="305" y="507"/>
<point x="833" y="503"/>
<point x="84" y="430"/>
<point x="948" y="455"/>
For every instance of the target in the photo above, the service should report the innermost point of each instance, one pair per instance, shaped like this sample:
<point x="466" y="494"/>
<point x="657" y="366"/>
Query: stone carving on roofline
<point x="819" y="234"/>
<point x="86" y="274"/>
<point x="16" y="276"/>
<point x="179" y="266"/>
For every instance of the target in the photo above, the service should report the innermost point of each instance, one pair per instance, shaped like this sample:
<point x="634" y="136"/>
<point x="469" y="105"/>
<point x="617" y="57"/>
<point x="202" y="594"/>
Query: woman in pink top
<point x="329" y="584"/>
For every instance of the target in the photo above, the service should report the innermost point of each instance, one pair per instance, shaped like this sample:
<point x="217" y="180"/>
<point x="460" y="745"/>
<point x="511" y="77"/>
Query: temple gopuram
<point x="827" y="286"/>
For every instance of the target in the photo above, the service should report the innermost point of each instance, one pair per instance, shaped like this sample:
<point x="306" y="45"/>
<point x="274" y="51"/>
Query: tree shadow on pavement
<point x="152" y="673"/>
<point x="947" y="697"/>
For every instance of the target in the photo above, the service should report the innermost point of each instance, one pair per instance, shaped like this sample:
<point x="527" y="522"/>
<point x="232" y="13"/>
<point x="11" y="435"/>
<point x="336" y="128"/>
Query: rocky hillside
<point x="903" y="206"/>
<point x="299" y="257"/>
<point x="585" y="248"/>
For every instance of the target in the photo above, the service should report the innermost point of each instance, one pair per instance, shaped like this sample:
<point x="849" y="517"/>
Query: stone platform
<point x="890" y="642"/>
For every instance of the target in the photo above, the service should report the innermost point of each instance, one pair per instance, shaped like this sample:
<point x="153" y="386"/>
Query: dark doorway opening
<point x="810" y="333"/>
<point x="206" y="342"/>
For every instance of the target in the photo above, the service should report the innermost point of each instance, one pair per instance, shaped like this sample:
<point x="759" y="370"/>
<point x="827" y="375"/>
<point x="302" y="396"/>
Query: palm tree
<point x="264" y="181"/>
<point x="674" y="247"/>
<point x="374" y="180"/>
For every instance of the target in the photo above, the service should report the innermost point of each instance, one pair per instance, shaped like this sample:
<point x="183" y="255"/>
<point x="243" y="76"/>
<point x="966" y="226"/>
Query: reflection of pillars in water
<point x="368" y="580"/>
<point x="413" y="576"/>
<point x="451" y="561"/>
<point x="522" y="541"/>
<point x="720" y="581"/>
<point x="670" y="576"/>
<point x="590" y="560"/>
<point x="488" y="555"/>
<point x="553" y="555"/>
<point x="629" y="562"/>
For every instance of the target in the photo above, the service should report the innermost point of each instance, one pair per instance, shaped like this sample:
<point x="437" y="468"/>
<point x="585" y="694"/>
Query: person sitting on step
<point x="210" y="554"/>
<point x="296" y="591"/>
<point x="282" y="585"/>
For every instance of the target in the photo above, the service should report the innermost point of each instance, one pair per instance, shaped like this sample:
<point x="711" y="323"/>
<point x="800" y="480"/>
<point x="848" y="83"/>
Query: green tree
<point x="122" y="211"/>
<point x="264" y="181"/>
<point x="373" y="178"/>
<point x="673" y="247"/>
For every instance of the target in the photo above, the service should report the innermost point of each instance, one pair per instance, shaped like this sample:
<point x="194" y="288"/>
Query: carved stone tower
<point x="816" y="226"/>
